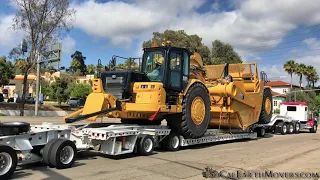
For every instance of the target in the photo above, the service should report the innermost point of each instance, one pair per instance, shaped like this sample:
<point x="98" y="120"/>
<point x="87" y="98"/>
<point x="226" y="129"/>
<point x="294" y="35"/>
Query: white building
<point x="279" y="90"/>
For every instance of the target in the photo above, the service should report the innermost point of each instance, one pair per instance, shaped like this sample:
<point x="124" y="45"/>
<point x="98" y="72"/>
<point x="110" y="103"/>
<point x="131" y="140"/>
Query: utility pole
<point x="37" y="85"/>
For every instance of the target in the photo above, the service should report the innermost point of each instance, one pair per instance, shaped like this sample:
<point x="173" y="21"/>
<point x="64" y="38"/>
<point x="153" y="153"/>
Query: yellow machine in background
<point x="191" y="97"/>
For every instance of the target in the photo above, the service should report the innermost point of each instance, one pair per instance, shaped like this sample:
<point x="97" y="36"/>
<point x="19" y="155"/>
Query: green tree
<point x="46" y="89"/>
<point x="181" y="39"/>
<point x="224" y="53"/>
<point x="60" y="90"/>
<point x="7" y="71"/>
<point x="311" y="75"/>
<point x="290" y="67"/>
<point x="91" y="69"/>
<point x="81" y="90"/>
<point x="78" y="66"/>
<point x="120" y="66"/>
<point x="42" y="23"/>
<point x="300" y="71"/>
<point x="130" y="64"/>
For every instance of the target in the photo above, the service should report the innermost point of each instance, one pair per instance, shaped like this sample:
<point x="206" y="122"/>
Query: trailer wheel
<point x="195" y="111"/>
<point x="297" y="128"/>
<point x="314" y="128"/>
<point x="47" y="152"/>
<point x="63" y="154"/>
<point x="145" y="145"/>
<point x="283" y="128"/>
<point x="290" y="128"/>
<point x="172" y="142"/>
<point x="261" y="131"/>
<point x="8" y="161"/>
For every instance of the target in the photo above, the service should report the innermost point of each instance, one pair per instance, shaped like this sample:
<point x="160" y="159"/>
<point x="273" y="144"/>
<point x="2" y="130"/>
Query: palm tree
<point x="312" y="75"/>
<point x="300" y="71"/>
<point x="290" y="67"/>
<point x="130" y="63"/>
<point x="309" y="73"/>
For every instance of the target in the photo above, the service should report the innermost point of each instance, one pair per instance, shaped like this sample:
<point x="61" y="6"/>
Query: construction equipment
<point x="174" y="85"/>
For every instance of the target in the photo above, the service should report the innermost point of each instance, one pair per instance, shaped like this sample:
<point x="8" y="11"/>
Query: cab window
<point x="175" y="69"/>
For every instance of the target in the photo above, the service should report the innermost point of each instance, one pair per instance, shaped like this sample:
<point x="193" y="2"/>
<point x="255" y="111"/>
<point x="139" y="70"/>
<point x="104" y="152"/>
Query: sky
<point x="269" y="32"/>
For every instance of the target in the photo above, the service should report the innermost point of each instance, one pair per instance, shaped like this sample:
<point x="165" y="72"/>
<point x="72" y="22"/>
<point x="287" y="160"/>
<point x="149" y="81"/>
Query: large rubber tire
<point x="8" y="160"/>
<point x="58" y="148"/>
<point x="314" y="128"/>
<point x="297" y="128"/>
<point x="172" y="142"/>
<point x="265" y="117"/>
<point x="261" y="131"/>
<point x="47" y="152"/>
<point x="142" y="142"/>
<point x="188" y="127"/>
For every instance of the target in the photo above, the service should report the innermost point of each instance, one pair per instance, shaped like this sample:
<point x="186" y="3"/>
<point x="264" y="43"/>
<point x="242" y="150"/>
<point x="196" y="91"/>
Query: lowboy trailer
<point x="57" y="145"/>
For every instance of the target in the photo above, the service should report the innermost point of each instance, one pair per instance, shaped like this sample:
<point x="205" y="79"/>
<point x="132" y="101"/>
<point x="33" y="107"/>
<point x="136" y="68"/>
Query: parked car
<point x="74" y="101"/>
<point x="28" y="100"/>
<point x="1" y="97"/>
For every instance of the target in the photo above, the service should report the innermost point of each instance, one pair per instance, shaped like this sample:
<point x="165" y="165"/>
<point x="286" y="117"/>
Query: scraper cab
<point x="174" y="85"/>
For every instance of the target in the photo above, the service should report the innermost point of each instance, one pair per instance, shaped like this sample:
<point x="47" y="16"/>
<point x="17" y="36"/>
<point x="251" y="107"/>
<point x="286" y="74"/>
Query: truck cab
<point x="295" y="110"/>
<point x="299" y="112"/>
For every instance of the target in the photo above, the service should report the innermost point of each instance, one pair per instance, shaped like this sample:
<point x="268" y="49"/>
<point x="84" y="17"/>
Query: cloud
<point x="8" y="37"/>
<point x="68" y="45"/>
<point x="247" y="26"/>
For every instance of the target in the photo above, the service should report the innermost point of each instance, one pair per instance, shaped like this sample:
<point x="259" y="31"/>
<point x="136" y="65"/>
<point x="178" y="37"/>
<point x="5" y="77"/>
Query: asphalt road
<point x="279" y="153"/>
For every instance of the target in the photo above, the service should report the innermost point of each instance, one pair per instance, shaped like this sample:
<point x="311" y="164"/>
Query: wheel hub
<point x="284" y="128"/>
<point x="268" y="105"/>
<point x="66" y="155"/>
<point x="175" y="142"/>
<point x="148" y="145"/>
<point x="5" y="163"/>
<point x="197" y="110"/>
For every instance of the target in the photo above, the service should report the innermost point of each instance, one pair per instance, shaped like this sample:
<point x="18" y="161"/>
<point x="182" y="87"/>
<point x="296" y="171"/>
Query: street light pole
<point x="37" y="85"/>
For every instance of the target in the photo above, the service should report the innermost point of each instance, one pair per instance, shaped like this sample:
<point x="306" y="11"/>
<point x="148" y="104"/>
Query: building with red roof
<point x="279" y="89"/>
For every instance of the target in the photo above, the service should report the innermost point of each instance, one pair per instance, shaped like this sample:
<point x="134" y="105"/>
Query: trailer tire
<point x="9" y="161"/>
<point x="145" y="145"/>
<point x="314" y="128"/>
<point x="290" y="128"/>
<point x="172" y="142"/>
<point x="283" y="128"/>
<point x="266" y="108"/>
<point x="297" y="128"/>
<point x="261" y="131"/>
<point x="46" y="153"/>
<point x="191" y="124"/>
<point x="63" y="154"/>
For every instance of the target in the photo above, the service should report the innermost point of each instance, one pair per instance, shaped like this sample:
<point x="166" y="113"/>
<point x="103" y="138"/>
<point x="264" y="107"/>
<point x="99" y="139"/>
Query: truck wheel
<point x="283" y="128"/>
<point x="195" y="112"/>
<point x="266" y="108"/>
<point x="290" y="128"/>
<point x="297" y="128"/>
<point x="172" y="142"/>
<point x="8" y="161"/>
<point x="63" y="154"/>
<point x="145" y="145"/>
<point x="261" y="131"/>
<point x="47" y="152"/>
<point x="314" y="128"/>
